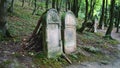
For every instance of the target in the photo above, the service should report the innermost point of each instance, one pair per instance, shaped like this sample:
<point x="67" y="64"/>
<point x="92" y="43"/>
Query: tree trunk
<point x="68" y="1"/>
<point x="10" y="9"/>
<point x="3" y="18"/>
<point x="68" y="6"/>
<point x="57" y="5"/>
<point x="105" y="19"/>
<point x="75" y="7"/>
<point x="109" y="30"/>
<point x="23" y="2"/>
<point x="46" y="4"/>
<point x="86" y="17"/>
<point x="102" y="15"/>
<point x="53" y="3"/>
<point x="118" y="26"/>
<point x="60" y="5"/>
<point x="91" y="12"/>
<point x="35" y="7"/>
<point x="118" y="20"/>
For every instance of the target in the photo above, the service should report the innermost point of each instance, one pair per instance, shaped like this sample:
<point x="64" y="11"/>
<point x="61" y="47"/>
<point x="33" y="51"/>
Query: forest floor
<point x="87" y="55"/>
<point x="112" y="64"/>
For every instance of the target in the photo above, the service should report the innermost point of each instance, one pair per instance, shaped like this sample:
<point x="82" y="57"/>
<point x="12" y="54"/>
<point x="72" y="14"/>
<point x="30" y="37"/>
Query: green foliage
<point x="91" y="49"/>
<point x="21" y="22"/>
<point x="112" y="41"/>
<point x="81" y="15"/>
<point x="41" y="4"/>
<point x="47" y="63"/>
<point x="1" y="36"/>
<point x="5" y="64"/>
<point x="77" y="57"/>
<point x="97" y="38"/>
<point x="13" y="63"/>
<point x="105" y="62"/>
<point x="88" y="37"/>
<point x="15" y="54"/>
<point x="40" y="55"/>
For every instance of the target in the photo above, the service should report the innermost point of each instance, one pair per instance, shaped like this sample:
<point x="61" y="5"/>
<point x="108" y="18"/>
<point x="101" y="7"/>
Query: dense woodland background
<point x="107" y="12"/>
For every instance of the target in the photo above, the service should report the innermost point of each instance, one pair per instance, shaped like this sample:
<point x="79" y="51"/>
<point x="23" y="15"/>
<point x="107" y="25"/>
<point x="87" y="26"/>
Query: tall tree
<point x="3" y="18"/>
<point x="67" y="5"/>
<point x="10" y="9"/>
<point x="118" y="20"/>
<point x="35" y="7"/>
<point x="75" y="7"/>
<point x="102" y="15"/>
<point x="23" y="2"/>
<point x="53" y="3"/>
<point x="118" y="23"/>
<point x="106" y="14"/>
<point x="46" y="4"/>
<point x="91" y="12"/>
<point x="86" y="17"/>
<point x="109" y="30"/>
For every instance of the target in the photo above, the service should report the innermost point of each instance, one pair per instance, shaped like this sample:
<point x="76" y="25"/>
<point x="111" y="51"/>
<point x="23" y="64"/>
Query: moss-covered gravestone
<point x="95" y="25"/>
<point x="69" y="32"/>
<point x="46" y="37"/>
<point x="51" y="33"/>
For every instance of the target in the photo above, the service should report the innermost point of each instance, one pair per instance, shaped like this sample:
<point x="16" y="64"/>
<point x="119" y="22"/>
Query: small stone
<point x="13" y="52"/>
<point x="24" y="40"/>
<point x="104" y="62"/>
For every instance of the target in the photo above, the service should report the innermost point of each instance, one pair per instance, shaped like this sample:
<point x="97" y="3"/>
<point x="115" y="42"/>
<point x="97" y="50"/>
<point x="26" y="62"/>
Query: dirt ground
<point x="112" y="64"/>
<point x="13" y="56"/>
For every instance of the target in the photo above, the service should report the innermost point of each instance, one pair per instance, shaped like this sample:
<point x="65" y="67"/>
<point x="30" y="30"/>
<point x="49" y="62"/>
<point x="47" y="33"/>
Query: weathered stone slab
<point x="69" y="33"/>
<point x="95" y="25"/>
<point x="52" y="43"/>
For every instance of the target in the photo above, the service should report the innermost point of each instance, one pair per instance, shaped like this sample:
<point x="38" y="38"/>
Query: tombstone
<point x="51" y="34"/>
<point x="69" y="32"/>
<point x="103" y="26"/>
<point x="95" y="25"/>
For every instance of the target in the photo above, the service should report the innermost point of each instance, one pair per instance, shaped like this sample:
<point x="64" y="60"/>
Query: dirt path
<point x="116" y="35"/>
<point x="113" y="64"/>
<point x="10" y="56"/>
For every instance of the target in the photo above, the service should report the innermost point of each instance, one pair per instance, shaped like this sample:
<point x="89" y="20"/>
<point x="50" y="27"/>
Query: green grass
<point x="21" y="22"/>
<point x="98" y="39"/>
<point x="47" y="63"/>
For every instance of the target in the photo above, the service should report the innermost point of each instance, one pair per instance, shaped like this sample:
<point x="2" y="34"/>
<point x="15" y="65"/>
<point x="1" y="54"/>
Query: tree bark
<point x="23" y="2"/>
<point x="75" y="7"/>
<point x="46" y="4"/>
<point x="67" y="5"/>
<point x="109" y="30"/>
<point x="53" y="3"/>
<point x="91" y="12"/>
<point x="118" y="20"/>
<point x="57" y="4"/>
<point x="105" y="19"/>
<point x="10" y="9"/>
<point x="3" y="18"/>
<point x="86" y="17"/>
<point x="35" y="7"/>
<point x="102" y="15"/>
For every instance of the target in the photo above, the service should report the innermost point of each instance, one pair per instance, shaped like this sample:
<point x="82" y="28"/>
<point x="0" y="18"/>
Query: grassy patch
<point x="95" y="39"/>
<point x="47" y="63"/>
<point x="21" y="22"/>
